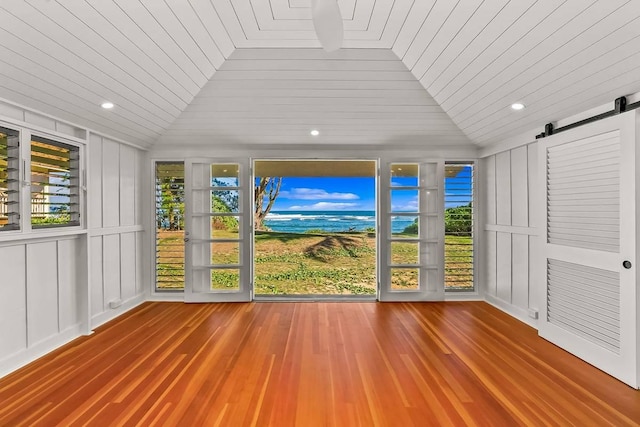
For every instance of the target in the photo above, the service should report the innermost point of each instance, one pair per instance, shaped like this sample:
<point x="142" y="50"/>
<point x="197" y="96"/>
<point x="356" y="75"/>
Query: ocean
<point x="331" y="221"/>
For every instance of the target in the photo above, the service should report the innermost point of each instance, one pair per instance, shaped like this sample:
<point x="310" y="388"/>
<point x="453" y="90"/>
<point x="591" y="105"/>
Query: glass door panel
<point x="411" y="231"/>
<point x="218" y="231"/>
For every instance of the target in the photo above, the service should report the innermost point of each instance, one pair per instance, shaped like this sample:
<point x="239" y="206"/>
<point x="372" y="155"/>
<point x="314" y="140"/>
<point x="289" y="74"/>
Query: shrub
<point x="223" y="222"/>
<point x="458" y="219"/>
<point x="411" y="229"/>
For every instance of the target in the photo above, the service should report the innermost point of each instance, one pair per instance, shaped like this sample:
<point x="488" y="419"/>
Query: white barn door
<point x="587" y="207"/>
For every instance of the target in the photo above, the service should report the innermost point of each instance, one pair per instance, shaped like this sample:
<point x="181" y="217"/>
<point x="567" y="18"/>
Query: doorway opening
<point x="315" y="228"/>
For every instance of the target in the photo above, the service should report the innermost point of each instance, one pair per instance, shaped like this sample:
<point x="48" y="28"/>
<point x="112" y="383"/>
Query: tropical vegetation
<point x="314" y="262"/>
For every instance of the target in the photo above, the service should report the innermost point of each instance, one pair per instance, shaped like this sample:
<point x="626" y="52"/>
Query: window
<point x="458" y="218"/>
<point x="9" y="180"/>
<point x="169" y="225"/>
<point x="404" y="224"/>
<point x="54" y="184"/>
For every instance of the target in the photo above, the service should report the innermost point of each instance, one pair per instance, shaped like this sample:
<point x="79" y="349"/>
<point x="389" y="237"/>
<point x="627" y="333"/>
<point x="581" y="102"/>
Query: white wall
<point x="510" y="234"/>
<point x="509" y="230"/>
<point x="56" y="284"/>
<point x="115" y="230"/>
<point x="42" y="300"/>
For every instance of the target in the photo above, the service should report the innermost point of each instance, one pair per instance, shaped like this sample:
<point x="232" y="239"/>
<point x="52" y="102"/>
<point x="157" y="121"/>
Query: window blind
<point x="458" y="217"/>
<point x="169" y="225"/>
<point x="9" y="179"/>
<point x="54" y="184"/>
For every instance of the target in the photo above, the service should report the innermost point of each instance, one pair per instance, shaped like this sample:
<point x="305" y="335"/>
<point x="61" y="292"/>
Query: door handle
<point x="626" y="264"/>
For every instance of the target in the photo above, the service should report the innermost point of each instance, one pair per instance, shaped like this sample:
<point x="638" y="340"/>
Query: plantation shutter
<point x="9" y="179"/>
<point x="587" y="197"/>
<point x="585" y="301"/>
<point x="54" y="184"/>
<point x="583" y="201"/>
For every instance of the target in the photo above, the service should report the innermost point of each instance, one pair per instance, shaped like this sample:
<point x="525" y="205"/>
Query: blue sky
<point x="357" y="194"/>
<point x="326" y="194"/>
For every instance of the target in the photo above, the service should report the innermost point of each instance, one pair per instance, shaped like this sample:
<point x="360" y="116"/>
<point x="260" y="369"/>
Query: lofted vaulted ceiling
<point x="411" y="72"/>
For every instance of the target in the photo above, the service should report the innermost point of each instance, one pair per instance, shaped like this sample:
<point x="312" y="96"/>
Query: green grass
<point x="314" y="263"/>
<point x="317" y="263"/>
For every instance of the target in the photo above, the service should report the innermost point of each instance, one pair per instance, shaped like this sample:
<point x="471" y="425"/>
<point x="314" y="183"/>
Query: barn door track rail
<point x="620" y="106"/>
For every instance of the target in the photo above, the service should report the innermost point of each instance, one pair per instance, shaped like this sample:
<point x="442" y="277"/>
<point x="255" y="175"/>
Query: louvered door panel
<point x="587" y="206"/>
<point x="577" y="203"/>
<point x="585" y="301"/>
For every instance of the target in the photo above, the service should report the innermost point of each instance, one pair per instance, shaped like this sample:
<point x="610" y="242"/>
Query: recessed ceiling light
<point x="315" y="132"/>
<point x="517" y="106"/>
<point x="107" y="105"/>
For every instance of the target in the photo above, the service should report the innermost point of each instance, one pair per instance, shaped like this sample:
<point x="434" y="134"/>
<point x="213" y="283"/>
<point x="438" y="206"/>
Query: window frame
<point x="475" y="224"/>
<point x="154" y="171"/>
<point x="16" y="199"/>
<point x="75" y="181"/>
<point x="24" y="227"/>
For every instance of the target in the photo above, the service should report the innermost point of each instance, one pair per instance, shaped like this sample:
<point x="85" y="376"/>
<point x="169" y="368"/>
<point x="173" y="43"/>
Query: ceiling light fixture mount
<point x="315" y="132"/>
<point x="327" y="21"/>
<point x="107" y="105"/>
<point x="517" y="106"/>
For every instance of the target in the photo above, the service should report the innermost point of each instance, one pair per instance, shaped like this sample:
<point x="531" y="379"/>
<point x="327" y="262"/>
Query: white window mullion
<point x="25" y="181"/>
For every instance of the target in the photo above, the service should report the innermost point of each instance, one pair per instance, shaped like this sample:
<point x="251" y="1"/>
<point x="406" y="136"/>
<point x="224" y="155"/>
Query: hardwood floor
<point x="314" y="364"/>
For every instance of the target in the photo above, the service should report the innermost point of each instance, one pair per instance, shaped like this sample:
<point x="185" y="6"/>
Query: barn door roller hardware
<point x="620" y="106"/>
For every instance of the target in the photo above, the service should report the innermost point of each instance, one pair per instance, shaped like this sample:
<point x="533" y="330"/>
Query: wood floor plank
<point x="314" y="364"/>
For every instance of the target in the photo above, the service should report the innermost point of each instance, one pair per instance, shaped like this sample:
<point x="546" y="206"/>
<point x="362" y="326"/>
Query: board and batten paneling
<point x="56" y="284"/>
<point x="96" y="278"/>
<point x="127" y="185"/>
<point x="43" y="295"/>
<point x="94" y="184"/>
<point x="13" y="303"/>
<point x="110" y="183"/>
<point x="111" y="268"/>
<point x="42" y="289"/>
<point x="40" y="297"/>
<point x="115" y="227"/>
<point x="509" y="183"/>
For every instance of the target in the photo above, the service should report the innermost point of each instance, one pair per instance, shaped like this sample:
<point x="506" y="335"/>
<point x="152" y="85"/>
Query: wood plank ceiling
<point x="411" y="72"/>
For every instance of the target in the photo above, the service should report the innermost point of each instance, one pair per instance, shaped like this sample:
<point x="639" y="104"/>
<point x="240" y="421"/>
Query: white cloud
<point x="315" y="194"/>
<point x="324" y="206"/>
<point x="409" y="206"/>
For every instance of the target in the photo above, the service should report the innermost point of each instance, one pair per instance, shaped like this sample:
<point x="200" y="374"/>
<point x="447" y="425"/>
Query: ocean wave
<point x="311" y="216"/>
<point x="324" y="220"/>
<point x="286" y="217"/>
<point x="358" y="218"/>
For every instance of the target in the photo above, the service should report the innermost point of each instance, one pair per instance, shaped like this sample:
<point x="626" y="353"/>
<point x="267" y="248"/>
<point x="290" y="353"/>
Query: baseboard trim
<point x="166" y="297"/>
<point x="24" y="357"/>
<point x="517" y="312"/>
<point x="106" y="316"/>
